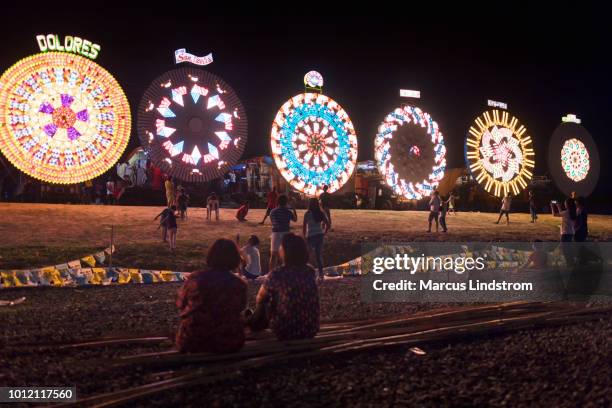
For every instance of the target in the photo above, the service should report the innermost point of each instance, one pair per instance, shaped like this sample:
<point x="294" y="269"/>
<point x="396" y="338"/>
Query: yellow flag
<point x="89" y="260"/>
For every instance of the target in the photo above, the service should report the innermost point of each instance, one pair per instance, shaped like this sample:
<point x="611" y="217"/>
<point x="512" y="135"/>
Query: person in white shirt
<point x="505" y="208"/>
<point x="212" y="205"/>
<point x="251" y="268"/>
<point x="434" y="209"/>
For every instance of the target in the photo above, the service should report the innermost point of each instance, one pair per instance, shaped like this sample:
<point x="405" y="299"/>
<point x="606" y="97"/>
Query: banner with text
<point x="486" y="272"/>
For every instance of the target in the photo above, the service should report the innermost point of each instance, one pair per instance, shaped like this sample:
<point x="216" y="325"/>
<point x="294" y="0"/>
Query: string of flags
<point x="90" y="269"/>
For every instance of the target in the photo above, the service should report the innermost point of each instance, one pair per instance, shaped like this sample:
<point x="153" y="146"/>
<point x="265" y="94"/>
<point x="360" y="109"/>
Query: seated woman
<point x="211" y="304"/>
<point x="288" y="301"/>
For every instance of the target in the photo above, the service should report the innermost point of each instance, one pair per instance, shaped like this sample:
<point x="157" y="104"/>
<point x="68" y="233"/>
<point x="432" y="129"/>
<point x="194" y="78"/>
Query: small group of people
<point x="114" y="190"/>
<point x="439" y="207"/>
<point x="506" y="203"/>
<point x="574" y="218"/>
<point x="574" y="227"/>
<point x="314" y="227"/>
<point x="176" y="196"/>
<point x="213" y="302"/>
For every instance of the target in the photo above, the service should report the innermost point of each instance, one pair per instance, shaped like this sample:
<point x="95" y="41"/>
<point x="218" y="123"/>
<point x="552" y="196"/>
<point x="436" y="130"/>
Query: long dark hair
<point x="315" y="209"/>
<point x="295" y="250"/>
<point x="223" y="255"/>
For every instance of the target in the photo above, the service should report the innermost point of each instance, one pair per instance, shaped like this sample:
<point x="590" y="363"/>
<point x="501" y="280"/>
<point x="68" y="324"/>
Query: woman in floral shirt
<point x="288" y="301"/>
<point x="211" y="304"/>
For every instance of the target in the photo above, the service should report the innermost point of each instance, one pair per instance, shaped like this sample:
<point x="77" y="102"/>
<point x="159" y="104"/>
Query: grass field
<point x="34" y="235"/>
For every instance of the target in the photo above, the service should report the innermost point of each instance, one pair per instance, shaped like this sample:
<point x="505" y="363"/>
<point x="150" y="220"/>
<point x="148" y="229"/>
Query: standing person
<point x="581" y="225"/>
<point x="88" y="192"/>
<point x="325" y="201"/>
<point x="568" y="217"/>
<point x="163" y="216"/>
<point x="451" y="204"/>
<point x="211" y="303"/>
<point x="272" y="204"/>
<point x="249" y="177"/>
<point x="443" y="211"/>
<point x="314" y="228"/>
<point x="505" y="208"/>
<point x="251" y="268"/>
<point x="98" y="189"/>
<point x="288" y="300"/>
<point x="212" y="204"/>
<point x="281" y="218"/>
<point x="119" y="190"/>
<point x="172" y="227"/>
<point x="434" y="209"/>
<point x="533" y="207"/>
<point x="110" y="191"/>
<point x="232" y="181"/>
<point x="170" y="193"/>
<point x="156" y="178"/>
<point x="242" y="211"/>
<point x="183" y="201"/>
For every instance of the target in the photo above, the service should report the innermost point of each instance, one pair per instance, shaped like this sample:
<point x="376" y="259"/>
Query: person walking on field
<point x="325" y="201"/>
<point x="533" y="208"/>
<point x="314" y="229"/>
<point x="170" y="193"/>
<point x="172" y="227"/>
<point x="451" y="204"/>
<point x="162" y="222"/>
<point x="281" y="218"/>
<point x="182" y="200"/>
<point x="505" y="208"/>
<point x="212" y="204"/>
<point x="434" y="209"/>
<point x="272" y="204"/>
<point x="443" y="212"/>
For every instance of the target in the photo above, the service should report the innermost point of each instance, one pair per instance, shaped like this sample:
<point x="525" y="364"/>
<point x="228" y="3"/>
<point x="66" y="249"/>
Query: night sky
<point x="543" y="69"/>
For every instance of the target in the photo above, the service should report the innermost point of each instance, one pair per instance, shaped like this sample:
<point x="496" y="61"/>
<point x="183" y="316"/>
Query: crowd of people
<point x="573" y="213"/>
<point x="213" y="302"/>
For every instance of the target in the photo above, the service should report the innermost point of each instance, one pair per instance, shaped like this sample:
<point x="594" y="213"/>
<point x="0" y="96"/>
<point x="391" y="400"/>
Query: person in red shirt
<point x="272" y="204"/>
<point x="242" y="211"/>
<point x="211" y="304"/>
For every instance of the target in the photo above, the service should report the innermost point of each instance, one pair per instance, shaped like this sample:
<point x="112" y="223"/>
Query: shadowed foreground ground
<point x="563" y="366"/>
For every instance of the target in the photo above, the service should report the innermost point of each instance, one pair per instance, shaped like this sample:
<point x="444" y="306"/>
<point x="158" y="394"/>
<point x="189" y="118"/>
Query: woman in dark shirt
<point x="581" y="226"/>
<point x="211" y="304"/>
<point x="288" y="301"/>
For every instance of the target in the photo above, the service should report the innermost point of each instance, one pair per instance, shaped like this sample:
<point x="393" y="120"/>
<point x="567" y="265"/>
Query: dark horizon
<point x="542" y="72"/>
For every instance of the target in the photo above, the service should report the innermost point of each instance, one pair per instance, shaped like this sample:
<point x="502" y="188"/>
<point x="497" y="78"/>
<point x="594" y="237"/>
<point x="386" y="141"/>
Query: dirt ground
<point x="33" y="235"/>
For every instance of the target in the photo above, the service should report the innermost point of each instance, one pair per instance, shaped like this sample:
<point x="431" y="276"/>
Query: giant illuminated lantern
<point x="192" y="124"/>
<point x="573" y="158"/>
<point x="410" y="152"/>
<point x="499" y="153"/>
<point x="313" y="141"/>
<point x="63" y="118"/>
